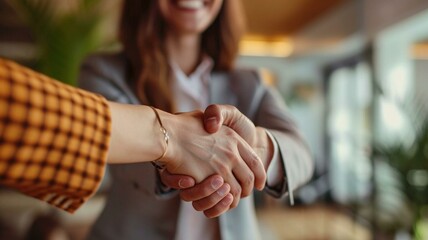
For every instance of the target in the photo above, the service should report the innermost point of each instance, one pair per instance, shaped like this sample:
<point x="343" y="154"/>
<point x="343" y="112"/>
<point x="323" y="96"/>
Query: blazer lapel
<point x="221" y="91"/>
<point x="239" y="88"/>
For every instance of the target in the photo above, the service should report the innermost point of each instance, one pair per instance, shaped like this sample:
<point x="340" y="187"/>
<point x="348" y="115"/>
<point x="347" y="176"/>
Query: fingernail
<point x="185" y="183"/>
<point x="222" y="192"/>
<point x="212" y="120"/>
<point x="216" y="183"/>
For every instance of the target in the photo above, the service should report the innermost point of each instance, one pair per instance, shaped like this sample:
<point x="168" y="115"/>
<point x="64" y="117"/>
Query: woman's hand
<point x="217" y="115"/>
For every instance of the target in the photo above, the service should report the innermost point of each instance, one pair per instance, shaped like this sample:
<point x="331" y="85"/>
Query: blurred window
<point x="348" y="130"/>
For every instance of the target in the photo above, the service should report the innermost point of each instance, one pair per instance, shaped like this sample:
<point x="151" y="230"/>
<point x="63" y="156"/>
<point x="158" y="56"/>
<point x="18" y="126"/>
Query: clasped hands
<point x="216" y="157"/>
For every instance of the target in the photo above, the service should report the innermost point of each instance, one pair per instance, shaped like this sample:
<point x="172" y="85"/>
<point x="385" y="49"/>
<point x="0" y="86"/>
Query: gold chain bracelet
<point x="156" y="162"/>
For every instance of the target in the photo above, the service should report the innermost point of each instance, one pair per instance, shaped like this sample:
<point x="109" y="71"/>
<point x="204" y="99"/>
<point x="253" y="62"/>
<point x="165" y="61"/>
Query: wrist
<point x="167" y="153"/>
<point x="264" y="146"/>
<point x="135" y="134"/>
<point x="182" y="129"/>
<point x="158" y="161"/>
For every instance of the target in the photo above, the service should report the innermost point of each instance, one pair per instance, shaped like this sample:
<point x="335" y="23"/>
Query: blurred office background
<point x="354" y="74"/>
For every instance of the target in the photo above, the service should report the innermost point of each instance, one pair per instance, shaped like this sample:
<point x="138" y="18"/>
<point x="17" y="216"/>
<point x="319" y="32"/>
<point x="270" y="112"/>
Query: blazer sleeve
<point x="297" y="161"/>
<point x="54" y="138"/>
<point x="104" y="74"/>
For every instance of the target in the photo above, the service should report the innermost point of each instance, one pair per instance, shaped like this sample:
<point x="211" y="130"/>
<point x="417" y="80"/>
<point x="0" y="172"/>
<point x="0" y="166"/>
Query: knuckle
<point x="230" y="155"/>
<point x="229" y="132"/>
<point x="223" y="169"/>
<point x="250" y="179"/>
<point x="254" y="162"/>
<point x="233" y="108"/>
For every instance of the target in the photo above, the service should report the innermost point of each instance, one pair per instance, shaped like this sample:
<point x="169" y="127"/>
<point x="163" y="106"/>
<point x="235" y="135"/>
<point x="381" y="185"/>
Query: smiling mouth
<point x="191" y="4"/>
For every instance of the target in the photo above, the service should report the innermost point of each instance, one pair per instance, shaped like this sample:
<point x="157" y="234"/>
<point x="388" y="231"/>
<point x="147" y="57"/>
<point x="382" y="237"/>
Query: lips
<point x="190" y="4"/>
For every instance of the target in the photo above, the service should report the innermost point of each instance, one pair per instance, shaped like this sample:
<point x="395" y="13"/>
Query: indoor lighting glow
<point x="340" y="121"/>
<point x="420" y="51"/>
<point x="264" y="46"/>
<point x="391" y="116"/>
<point x="398" y="86"/>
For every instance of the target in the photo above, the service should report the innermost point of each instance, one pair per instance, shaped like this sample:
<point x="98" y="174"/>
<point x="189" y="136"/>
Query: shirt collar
<point x="202" y="70"/>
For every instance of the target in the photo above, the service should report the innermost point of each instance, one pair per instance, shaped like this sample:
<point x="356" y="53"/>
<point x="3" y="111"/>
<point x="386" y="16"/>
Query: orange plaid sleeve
<point x="53" y="138"/>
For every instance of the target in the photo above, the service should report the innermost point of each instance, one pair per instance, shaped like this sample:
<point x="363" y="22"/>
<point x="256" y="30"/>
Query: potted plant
<point x="65" y="32"/>
<point x="411" y="163"/>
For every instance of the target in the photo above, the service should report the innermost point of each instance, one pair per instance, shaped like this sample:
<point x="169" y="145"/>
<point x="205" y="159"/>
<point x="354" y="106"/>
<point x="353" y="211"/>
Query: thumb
<point x="213" y="118"/>
<point x="217" y="115"/>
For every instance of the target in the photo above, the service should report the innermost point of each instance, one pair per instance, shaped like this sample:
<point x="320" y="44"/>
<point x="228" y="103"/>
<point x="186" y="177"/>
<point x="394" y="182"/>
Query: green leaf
<point x="64" y="40"/>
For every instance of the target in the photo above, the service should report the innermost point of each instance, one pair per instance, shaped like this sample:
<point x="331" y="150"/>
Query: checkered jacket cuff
<point x="53" y="138"/>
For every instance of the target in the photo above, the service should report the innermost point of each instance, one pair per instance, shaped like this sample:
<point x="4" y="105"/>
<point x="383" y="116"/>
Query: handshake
<point x="214" y="157"/>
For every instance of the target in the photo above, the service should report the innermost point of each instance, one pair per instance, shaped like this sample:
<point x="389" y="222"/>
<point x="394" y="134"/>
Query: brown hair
<point x="142" y="33"/>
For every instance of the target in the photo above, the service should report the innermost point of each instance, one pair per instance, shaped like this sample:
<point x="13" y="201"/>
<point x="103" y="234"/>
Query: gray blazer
<point x="135" y="210"/>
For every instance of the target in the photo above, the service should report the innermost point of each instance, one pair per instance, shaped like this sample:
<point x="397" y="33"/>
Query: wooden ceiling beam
<point x="278" y="17"/>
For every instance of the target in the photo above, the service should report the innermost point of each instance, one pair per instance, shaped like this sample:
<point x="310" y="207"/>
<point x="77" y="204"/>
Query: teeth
<point x="191" y="4"/>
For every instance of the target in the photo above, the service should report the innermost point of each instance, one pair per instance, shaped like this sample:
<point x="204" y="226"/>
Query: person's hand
<point x="196" y="153"/>
<point x="217" y="115"/>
